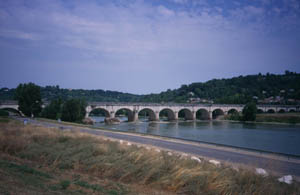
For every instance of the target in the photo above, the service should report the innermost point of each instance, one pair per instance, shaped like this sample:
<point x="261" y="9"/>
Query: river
<point x="284" y="139"/>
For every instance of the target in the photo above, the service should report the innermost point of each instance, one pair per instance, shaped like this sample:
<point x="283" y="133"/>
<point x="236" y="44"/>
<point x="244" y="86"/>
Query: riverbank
<point x="289" y="118"/>
<point x="48" y="160"/>
<point x="229" y="131"/>
<point x="270" y="118"/>
<point x="210" y="145"/>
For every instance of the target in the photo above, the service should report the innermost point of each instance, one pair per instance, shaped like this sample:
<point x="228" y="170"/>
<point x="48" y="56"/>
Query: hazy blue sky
<point x="145" y="46"/>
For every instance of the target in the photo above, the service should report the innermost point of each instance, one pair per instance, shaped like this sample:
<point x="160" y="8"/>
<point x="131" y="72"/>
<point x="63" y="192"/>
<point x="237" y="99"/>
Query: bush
<point x="3" y="113"/>
<point x="73" y="110"/>
<point x="249" y="112"/>
<point x="29" y="99"/>
<point x="53" y="110"/>
<point x="234" y="117"/>
<point x="65" y="184"/>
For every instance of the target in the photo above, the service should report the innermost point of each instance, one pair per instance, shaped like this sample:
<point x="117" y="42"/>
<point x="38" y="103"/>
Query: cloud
<point x="165" y="11"/>
<point x="180" y="1"/>
<point x="19" y="35"/>
<point x="189" y="40"/>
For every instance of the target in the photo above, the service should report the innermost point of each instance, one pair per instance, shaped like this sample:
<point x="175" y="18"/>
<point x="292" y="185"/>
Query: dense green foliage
<point x="29" y="99"/>
<point x="249" y="112"/>
<point x="53" y="110"/>
<point x="73" y="110"/>
<point x="237" y="90"/>
<point x="3" y="112"/>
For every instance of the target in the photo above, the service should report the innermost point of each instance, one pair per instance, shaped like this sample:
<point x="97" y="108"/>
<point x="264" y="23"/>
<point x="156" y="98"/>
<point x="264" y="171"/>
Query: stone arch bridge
<point x="190" y="111"/>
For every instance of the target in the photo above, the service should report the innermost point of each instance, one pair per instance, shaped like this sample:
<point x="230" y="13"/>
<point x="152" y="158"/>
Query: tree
<point x="249" y="112"/>
<point x="29" y="99"/>
<point x="53" y="110"/>
<point x="73" y="110"/>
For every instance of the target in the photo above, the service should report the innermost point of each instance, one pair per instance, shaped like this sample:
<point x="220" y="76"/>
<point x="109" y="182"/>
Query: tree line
<point x="73" y="110"/>
<point x="236" y="90"/>
<point x="30" y="104"/>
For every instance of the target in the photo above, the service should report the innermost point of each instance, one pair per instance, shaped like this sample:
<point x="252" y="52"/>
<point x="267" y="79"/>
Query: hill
<point x="267" y="89"/>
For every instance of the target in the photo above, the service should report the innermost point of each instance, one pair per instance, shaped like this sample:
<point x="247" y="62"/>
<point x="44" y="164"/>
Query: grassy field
<point x="279" y="117"/>
<point x="36" y="160"/>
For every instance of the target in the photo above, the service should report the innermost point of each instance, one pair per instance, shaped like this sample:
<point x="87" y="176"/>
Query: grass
<point x="279" y="117"/>
<point x="291" y="118"/>
<point x="49" y="161"/>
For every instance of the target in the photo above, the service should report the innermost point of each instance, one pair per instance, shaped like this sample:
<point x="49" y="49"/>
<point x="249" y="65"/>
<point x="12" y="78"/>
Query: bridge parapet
<point x="8" y="102"/>
<point x="160" y="104"/>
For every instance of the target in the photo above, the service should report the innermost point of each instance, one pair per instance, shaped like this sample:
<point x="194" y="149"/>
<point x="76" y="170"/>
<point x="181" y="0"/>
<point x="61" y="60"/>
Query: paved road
<point x="279" y="165"/>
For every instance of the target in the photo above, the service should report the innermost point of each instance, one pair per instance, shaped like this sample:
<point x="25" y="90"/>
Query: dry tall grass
<point x="74" y="151"/>
<point x="279" y="117"/>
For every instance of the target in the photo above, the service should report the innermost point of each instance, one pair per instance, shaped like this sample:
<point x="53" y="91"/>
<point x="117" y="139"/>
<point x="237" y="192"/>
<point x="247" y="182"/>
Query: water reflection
<point x="273" y="138"/>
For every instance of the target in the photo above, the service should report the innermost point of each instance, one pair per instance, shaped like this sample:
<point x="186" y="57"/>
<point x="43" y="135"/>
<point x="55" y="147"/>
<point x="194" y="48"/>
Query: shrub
<point x="29" y="99"/>
<point x="73" y="110"/>
<point x="3" y="113"/>
<point x="249" y="112"/>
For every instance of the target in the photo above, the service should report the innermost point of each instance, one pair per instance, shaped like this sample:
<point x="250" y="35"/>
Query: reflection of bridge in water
<point x="171" y="110"/>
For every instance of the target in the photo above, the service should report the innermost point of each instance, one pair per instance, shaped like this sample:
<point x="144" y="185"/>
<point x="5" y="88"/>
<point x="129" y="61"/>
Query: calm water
<point x="273" y="138"/>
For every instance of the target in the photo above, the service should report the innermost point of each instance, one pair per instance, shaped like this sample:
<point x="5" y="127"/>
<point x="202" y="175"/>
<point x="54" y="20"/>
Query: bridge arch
<point x="12" y="110"/>
<point x="202" y="114"/>
<point x="217" y="113"/>
<point x="167" y="113"/>
<point x="292" y="110"/>
<point x="147" y="113"/>
<point x="281" y="110"/>
<point x="125" y="112"/>
<point x="186" y="113"/>
<point x="259" y="111"/>
<point x="270" y="110"/>
<point x="232" y="111"/>
<point x="99" y="112"/>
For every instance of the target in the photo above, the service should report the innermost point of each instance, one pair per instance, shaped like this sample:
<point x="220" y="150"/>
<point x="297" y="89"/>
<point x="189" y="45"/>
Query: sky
<point x="145" y="46"/>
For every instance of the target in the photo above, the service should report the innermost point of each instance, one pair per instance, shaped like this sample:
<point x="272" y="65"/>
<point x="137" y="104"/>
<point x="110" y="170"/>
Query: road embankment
<point x="281" y="164"/>
<point x="44" y="151"/>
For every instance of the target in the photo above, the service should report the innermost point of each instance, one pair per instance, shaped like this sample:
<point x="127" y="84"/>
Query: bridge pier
<point x="194" y="115"/>
<point x="112" y="114"/>
<point x="87" y="114"/>
<point x="175" y="116"/>
<point x="156" y="116"/>
<point x="210" y="115"/>
<point x="133" y="117"/>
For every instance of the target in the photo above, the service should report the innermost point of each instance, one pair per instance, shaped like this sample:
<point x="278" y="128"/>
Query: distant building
<point x="199" y="100"/>
<point x="191" y="93"/>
